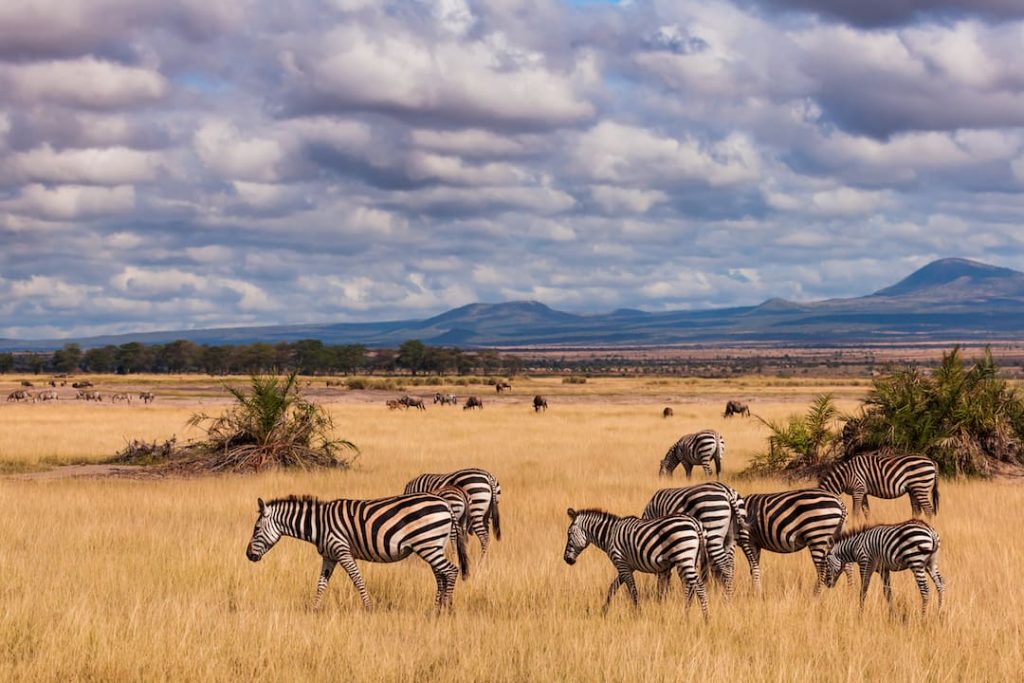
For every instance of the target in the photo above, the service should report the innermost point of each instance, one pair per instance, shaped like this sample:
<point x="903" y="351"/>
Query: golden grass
<point x="147" y="580"/>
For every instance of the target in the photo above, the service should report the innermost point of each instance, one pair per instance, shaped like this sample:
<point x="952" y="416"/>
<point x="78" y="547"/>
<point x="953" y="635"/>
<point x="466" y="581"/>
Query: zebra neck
<point x="835" y="480"/>
<point x="599" y="530"/>
<point x="302" y="520"/>
<point x="845" y="550"/>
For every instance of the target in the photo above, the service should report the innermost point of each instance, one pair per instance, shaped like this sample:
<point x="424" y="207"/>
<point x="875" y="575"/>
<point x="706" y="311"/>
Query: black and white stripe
<point x="889" y="548"/>
<point x="695" y="449"/>
<point x="382" y="530"/>
<point x="655" y="546"/>
<point x="791" y="521"/>
<point x="722" y="512"/>
<point x="484" y="493"/>
<point x="884" y="476"/>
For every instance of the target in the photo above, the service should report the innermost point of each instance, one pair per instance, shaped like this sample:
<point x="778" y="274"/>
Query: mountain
<point x="946" y="300"/>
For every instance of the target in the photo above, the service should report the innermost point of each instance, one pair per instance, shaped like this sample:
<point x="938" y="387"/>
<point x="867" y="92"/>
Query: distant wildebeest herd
<point x="692" y="531"/>
<point x="407" y="401"/>
<point x="83" y="393"/>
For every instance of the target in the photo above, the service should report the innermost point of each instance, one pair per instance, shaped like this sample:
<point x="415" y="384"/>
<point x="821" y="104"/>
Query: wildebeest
<point x="473" y="402"/>
<point x="667" y="412"/>
<point x="412" y="402"/>
<point x="115" y="398"/>
<point x="20" y="395"/>
<point x="147" y="397"/>
<point x="48" y="395"/>
<point x="539" y="402"/>
<point x="395" y="404"/>
<point x="84" y="384"/>
<point x="502" y="386"/>
<point x="53" y="383"/>
<point x="736" y="408"/>
<point x="446" y="399"/>
<point x="26" y="383"/>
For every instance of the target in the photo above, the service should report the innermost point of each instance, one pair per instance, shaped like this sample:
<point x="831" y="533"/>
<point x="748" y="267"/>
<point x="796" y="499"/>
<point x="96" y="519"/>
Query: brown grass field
<point x="115" y="579"/>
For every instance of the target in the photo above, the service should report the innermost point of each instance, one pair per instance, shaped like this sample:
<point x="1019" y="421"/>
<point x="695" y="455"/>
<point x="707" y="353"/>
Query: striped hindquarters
<point x="480" y="486"/>
<point x="657" y="545"/>
<point x="707" y="503"/>
<point x="389" y="529"/>
<point x="910" y="545"/>
<point x="884" y="476"/>
<point x="790" y="521"/>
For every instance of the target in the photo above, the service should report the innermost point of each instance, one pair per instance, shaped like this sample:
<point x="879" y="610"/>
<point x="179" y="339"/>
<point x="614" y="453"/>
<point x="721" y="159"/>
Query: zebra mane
<point x="849" y="533"/>
<point x="294" y="499"/>
<point x="597" y="511"/>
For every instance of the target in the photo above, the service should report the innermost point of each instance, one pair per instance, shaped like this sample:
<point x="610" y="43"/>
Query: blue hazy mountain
<point x="946" y="300"/>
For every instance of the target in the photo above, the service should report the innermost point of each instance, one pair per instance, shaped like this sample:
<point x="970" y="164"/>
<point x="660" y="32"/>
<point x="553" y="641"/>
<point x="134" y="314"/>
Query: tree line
<point x="307" y="356"/>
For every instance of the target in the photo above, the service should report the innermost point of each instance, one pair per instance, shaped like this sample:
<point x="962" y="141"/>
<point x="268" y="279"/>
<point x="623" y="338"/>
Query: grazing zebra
<point x="382" y="530"/>
<point x="412" y="402"/>
<point x="147" y="397"/>
<point x="791" y="521"/>
<point x="539" y="403"/>
<point x="667" y="412"/>
<point x="884" y="476"/>
<point x="652" y="546"/>
<point x="19" y="395"/>
<point x="889" y="548"/>
<point x="48" y="395"/>
<point x="723" y="514"/>
<point x="446" y="399"/>
<point x="127" y="398"/>
<point x="484" y="493"/>
<point x="736" y="408"/>
<point x="695" y="449"/>
<point x="473" y="402"/>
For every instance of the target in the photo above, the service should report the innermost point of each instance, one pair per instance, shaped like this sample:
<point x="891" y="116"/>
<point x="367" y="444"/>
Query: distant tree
<point x="350" y="358"/>
<point x="411" y="355"/>
<point x="6" y="362"/>
<point x="36" y="362"/>
<point x="68" y="358"/>
<point x="310" y="356"/>
<point x="178" y="356"/>
<point x="100" y="359"/>
<point x="129" y="358"/>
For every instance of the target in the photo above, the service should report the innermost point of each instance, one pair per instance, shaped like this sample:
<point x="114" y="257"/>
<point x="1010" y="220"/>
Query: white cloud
<point x="86" y="82"/>
<point x="109" y="166"/>
<point x="71" y="202"/>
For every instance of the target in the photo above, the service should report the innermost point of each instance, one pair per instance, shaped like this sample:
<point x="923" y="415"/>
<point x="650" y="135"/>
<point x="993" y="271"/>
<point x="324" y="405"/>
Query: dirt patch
<point x="96" y="471"/>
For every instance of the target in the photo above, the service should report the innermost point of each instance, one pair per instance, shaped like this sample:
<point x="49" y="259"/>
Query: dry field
<point x="126" y="579"/>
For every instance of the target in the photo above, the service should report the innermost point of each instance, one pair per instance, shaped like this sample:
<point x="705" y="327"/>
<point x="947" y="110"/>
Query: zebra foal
<point x="484" y="494"/>
<point x="699" y="448"/>
<point x="886" y="477"/>
<point x="381" y="530"/>
<point x="654" y="546"/>
<point x="887" y="548"/>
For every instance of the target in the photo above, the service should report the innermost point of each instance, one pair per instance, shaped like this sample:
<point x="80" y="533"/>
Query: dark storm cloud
<point x="210" y="163"/>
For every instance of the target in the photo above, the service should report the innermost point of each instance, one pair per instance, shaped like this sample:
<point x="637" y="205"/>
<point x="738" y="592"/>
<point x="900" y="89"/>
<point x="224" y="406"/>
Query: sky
<point x="235" y="162"/>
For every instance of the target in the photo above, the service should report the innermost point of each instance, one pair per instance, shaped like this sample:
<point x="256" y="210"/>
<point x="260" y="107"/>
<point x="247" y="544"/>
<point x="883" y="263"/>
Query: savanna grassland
<point x="126" y="578"/>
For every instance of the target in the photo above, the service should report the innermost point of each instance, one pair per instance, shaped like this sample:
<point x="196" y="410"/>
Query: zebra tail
<point x="705" y="556"/>
<point x="718" y="458"/>
<point x="935" y="496"/>
<point x="495" y="517"/>
<point x="460" y="542"/>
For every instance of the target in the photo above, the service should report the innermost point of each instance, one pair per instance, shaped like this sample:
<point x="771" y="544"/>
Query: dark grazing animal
<point x="484" y="494"/>
<point x="539" y="403"/>
<point x="147" y="397"/>
<point x="793" y="520"/>
<point x="473" y="402"/>
<point x="26" y="383"/>
<point x="667" y="412"/>
<point x="723" y="514"/>
<point x="412" y="402"/>
<point x="653" y="546"/>
<point x="699" y="448"/>
<point x="84" y="384"/>
<point x="889" y="548"/>
<point x="736" y="408"/>
<point x="382" y="530"/>
<point x="885" y="476"/>
<point x="502" y="386"/>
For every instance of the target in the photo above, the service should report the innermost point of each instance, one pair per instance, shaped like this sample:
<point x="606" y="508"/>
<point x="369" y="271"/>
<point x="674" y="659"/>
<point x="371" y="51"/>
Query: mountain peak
<point x="948" y="271"/>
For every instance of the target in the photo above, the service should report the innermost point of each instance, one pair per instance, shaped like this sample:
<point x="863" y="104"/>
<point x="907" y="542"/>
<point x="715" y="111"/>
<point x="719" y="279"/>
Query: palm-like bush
<point x="272" y="424"/>
<point x="803" y="443"/>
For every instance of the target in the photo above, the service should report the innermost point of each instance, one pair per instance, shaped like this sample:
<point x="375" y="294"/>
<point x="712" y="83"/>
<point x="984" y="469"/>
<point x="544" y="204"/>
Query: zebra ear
<point x="263" y="506"/>
<point x="572" y="513"/>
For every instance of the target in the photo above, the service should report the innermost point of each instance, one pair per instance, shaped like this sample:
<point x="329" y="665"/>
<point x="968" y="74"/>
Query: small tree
<point x="802" y="444"/>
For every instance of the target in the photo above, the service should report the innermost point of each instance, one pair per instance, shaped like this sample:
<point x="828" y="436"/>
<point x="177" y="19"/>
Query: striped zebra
<point x="382" y="530"/>
<point x="695" y="449"/>
<point x="791" y="521"/>
<point x="484" y="493"/>
<point x="884" y="476"/>
<point x="889" y="548"/>
<point x="653" y="546"/>
<point x="723" y="514"/>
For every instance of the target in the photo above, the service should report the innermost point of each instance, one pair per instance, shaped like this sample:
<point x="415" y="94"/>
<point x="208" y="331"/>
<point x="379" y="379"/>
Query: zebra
<point x="147" y="397"/>
<point x="886" y="548"/>
<point x="446" y="399"/>
<point x="653" y="546"/>
<point x="19" y="395"/>
<point x="48" y="395"/>
<point x="473" y="402"/>
<point x="381" y="530"/>
<point x="699" y="448"/>
<point x="539" y="403"/>
<point x="884" y="476"/>
<point x="458" y="501"/>
<point x="790" y="521"/>
<point x="127" y="398"/>
<point x="723" y="514"/>
<point x="484" y="493"/>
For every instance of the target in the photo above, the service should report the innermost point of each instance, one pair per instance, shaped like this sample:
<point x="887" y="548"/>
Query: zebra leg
<point x="866" y="570"/>
<point x="444" y="572"/>
<point x="689" y="470"/>
<point x="707" y="468"/>
<point x="725" y="566"/>
<point x="922" y="585"/>
<point x="479" y="527"/>
<point x="753" y="555"/>
<point x="631" y="585"/>
<point x="691" y="578"/>
<point x="325" y="575"/>
<point x="349" y="565"/>
<point x="940" y="584"/>
<point x="612" y="590"/>
<point x="886" y="586"/>
<point x="818" y="558"/>
<point x="864" y="506"/>
<point x="663" y="584"/>
<point x="920" y="503"/>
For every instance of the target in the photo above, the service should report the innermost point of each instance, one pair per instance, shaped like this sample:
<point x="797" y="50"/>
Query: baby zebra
<point x="889" y="548"/>
<point x="791" y="521"/>
<point x="484" y="493"/>
<point x="723" y="514"/>
<point x="695" y="449"/>
<point x="653" y="546"/>
<point x="886" y="477"/>
<point x="382" y="530"/>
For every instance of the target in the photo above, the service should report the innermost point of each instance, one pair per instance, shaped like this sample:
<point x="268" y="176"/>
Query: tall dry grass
<point x="147" y="580"/>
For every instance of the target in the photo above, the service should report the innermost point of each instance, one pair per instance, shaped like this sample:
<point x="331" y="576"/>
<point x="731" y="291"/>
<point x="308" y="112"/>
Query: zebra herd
<point x="23" y="396"/>
<point x="692" y="531"/>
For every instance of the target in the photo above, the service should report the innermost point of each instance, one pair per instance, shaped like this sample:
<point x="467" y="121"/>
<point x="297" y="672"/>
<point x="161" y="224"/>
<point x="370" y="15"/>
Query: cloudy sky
<point x="225" y="162"/>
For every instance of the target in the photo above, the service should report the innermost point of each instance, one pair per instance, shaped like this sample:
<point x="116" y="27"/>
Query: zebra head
<point x="833" y="568"/>
<point x="264" y="534"/>
<point x="577" y="541"/>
